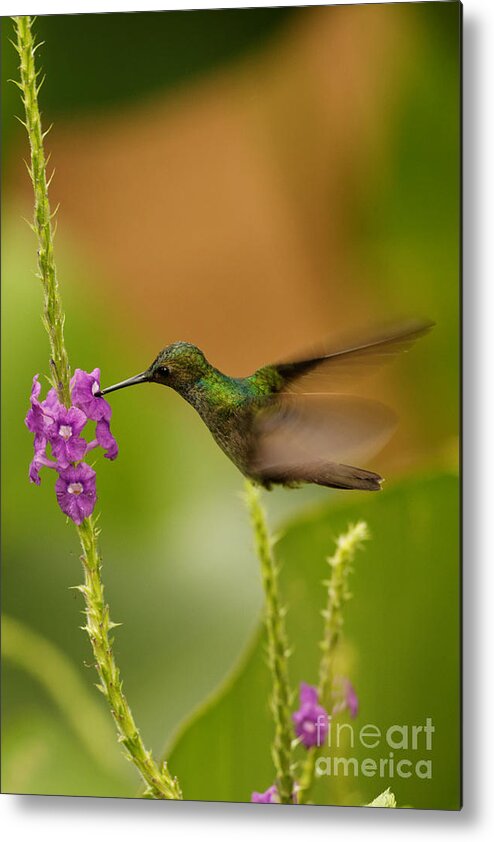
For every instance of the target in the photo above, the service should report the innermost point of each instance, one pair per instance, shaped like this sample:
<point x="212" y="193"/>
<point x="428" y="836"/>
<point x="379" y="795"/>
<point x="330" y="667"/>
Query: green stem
<point x="338" y="593"/>
<point x="277" y="648"/>
<point x="53" y="316"/>
<point x="160" y="784"/>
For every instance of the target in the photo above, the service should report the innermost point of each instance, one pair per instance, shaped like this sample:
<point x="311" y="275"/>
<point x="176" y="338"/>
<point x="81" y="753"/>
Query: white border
<point x="82" y="819"/>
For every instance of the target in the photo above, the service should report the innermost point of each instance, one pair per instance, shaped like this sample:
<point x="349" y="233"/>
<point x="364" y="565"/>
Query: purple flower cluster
<point x="311" y="723"/>
<point x="59" y="428"/>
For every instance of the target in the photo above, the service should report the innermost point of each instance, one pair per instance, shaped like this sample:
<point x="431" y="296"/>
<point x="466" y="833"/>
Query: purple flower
<point x="311" y="719"/>
<point x="346" y="697"/>
<point x="83" y="388"/>
<point x="40" y="419"/>
<point x="76" y="491"/>
<point x="51" y="402"/>
<point x="39" y="460"/>
<point x="269" y="797"/>
<point x="66" y="443"/>
<point x="106" y="440"/>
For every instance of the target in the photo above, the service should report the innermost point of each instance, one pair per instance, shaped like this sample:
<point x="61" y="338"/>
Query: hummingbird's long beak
<point x="132" y="381"/>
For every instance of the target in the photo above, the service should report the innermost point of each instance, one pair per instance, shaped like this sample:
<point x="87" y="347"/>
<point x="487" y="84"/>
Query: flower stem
<point x="338" y="593"/>
<point x="160" y="784"/>
<point x="277" y="647"/>
<point x="53" y="316"/>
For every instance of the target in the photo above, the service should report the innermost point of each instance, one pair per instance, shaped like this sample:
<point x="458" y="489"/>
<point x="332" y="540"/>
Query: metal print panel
<point x="231" y="500"/>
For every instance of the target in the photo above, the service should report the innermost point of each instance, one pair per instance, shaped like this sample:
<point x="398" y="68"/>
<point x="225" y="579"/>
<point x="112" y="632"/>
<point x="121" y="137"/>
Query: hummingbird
<point x="288" y="423"/>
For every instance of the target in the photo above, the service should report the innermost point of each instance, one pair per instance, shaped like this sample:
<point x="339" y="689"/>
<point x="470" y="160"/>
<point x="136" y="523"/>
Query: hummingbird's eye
<point x="164" y="370"/>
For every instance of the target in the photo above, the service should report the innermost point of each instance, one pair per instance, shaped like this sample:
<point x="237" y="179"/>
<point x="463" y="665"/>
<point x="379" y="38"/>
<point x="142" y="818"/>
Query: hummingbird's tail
<point x="347" y="477"/>
<point x="329" y="474"/>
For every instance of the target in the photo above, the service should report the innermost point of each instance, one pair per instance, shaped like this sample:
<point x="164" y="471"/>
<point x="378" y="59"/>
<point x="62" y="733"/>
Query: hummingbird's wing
<point x="362" y="356"/>
<point x="305" y="438"/>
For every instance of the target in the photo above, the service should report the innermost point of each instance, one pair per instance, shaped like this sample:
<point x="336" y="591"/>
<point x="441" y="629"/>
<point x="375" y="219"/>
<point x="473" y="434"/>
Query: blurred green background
<point x="251" y="181"/>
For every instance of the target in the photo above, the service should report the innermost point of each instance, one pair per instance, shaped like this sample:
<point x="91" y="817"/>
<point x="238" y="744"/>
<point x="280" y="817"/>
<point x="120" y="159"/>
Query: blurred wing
<point x="361" y="358"/>
<point x="298" y="435"/>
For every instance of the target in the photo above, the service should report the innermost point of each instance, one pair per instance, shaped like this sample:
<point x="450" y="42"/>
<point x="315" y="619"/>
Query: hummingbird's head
<point x="179" y="366"/>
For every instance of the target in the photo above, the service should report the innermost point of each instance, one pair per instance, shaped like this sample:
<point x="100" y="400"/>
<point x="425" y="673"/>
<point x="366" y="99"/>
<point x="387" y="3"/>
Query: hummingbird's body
<point x="270" y="429"/>
<point x="227" y="405"/>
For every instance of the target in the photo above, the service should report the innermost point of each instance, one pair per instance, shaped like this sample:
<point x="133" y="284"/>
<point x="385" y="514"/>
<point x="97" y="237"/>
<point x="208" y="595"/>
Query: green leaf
<point x="385" y="799"/>
<point x="401" y="653"/>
